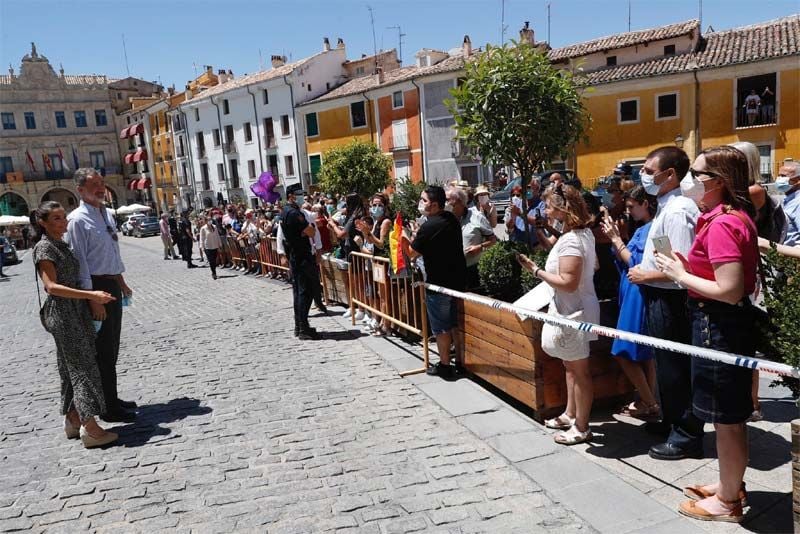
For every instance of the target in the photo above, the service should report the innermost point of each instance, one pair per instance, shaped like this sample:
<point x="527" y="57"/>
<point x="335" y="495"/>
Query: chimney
<point x="222" y="75"/>
<point x="326" y="45"/>
<point x="379" y="75"/>
<point x="209" y="69"/>
<point x="526" y="34"/>
<point x="230" y="74"/>
<point x="171" y="91"/>
<point x="278" y="61"/>
<point x="466" y="47"/>
<point x="188" y="92"/>
<point x="339" y="43"/>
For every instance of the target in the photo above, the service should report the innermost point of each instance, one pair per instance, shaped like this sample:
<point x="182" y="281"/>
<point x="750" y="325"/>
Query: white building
<point x="245" y="126"/>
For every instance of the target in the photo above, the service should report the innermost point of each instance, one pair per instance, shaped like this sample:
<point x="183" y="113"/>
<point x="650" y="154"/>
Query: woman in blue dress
<point x="636" y="360"/>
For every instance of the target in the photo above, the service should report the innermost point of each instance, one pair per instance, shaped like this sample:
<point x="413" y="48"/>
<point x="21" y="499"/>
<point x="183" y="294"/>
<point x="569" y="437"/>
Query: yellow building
<point x="672" y="85"/>
<point x="164" y="170"/>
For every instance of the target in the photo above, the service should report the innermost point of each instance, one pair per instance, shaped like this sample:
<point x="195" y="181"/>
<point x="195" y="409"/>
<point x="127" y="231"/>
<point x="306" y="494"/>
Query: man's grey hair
<point x="83" y="174"/>
<point x="794" y="165"/>
<point x="460" y="194"/>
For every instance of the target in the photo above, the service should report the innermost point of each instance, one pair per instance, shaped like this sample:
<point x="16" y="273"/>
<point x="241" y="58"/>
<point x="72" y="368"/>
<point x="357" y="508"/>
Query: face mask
<point x="517" y="201"/>
<point x="608" y="200"/>
<point x="376" y="211"/>
<point x="692" y="188"/>
<point x="782" y="184"/>
<point x="421" y="206"/>
<point x="448" y="207"/>
<point x="529" y="195"/>
<point x="331" y="208"/>
<point x="649" y="184"/>
<point x="483" y="200"/>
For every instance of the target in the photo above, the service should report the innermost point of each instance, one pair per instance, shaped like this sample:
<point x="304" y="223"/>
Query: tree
<point x="357" y="167"/>
<point x="514" y="107"/>
<point x="406" y="198"/>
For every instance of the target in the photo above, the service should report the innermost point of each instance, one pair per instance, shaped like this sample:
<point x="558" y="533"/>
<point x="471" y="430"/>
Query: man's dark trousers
<point x="211" y="256"/>
<point x="304" y="276"/>
<point x="107" y="341"/>
<point x="668" y="318"/>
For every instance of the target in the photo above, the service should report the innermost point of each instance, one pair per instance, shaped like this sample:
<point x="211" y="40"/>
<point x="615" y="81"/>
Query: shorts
<point x="442" y="315"/>
<point x="721" y="392"/>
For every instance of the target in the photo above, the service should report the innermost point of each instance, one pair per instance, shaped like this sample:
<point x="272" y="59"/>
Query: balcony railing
<point x="229" y="147"/>
<point x="460" y="150"/>
<point x="270" y="141"/>
<point x="201" y="152"/>
<point x="762" y="116"/>
<point x="400" y="142"/>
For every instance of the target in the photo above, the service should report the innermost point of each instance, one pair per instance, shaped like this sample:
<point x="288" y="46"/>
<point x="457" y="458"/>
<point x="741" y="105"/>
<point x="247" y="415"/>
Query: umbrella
<point x="13" y="220"/>
<point x="133" y="208"/>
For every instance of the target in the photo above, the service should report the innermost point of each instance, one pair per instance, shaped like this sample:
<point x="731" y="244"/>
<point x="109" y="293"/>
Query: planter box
<point x="335" y="281"/>
<point x="507" y="352"/>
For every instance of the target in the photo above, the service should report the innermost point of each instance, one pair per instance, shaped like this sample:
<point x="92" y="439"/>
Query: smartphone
<point x="662" y="245"/>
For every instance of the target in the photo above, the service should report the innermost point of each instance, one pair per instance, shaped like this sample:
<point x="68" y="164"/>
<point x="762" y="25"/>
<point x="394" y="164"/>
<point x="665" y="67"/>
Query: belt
<point x="106" y="276"/>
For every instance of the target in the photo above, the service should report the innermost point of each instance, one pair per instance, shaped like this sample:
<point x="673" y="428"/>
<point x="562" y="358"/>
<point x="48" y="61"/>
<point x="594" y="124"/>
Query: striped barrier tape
<point x="664" y="344"/>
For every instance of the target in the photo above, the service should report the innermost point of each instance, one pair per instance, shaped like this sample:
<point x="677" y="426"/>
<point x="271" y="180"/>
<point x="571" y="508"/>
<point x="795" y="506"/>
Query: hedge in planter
<point x="501" y="275"/>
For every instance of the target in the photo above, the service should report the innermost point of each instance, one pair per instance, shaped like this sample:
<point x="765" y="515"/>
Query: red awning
<point x="124" y="133"/>
<point x="129" y="158"/>
<point x="144" y="183"/>
<point x="139" y="155"/>
<point x="136" y="129"/>
<point x="132" y="184"/>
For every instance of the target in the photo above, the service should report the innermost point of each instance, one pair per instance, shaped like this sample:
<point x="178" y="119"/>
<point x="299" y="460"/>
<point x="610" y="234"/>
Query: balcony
<point x="229" y="147"/>
<point x="270" y="142"/>
<point x="400" y="142"/>
<point x="762" y="116"/>
<point x="459" y="150"/>
<point x="201" y="152"/>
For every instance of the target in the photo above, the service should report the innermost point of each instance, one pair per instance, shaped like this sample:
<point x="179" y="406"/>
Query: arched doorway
<point x="63" y="196"/>
<point x="111" y="198"/>
<point x="13" y="204"/>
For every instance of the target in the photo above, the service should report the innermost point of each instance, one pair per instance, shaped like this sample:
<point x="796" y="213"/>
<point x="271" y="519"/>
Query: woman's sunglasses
<point x="697" y="174"/>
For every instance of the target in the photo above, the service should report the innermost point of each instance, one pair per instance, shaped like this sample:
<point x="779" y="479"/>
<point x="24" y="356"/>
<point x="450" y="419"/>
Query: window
<point x="358" y="116"/>
<point x="669" y="50"/>
<point x="217" y="140"/>
<point x="309" y="88"/>
<point x="359" y="71"/>
<point x="80" y="119"/>
<point x="289" y="163"/>
<point x="765" y="164"/>
<point x="667" y="106"/>
<point x="196" y="114"/>
<point x="8" y="121"/>
<point x="399" y="134"/>
<point x="266" y="97"/>
<point x="628" y="111"/>
<point x="220" y="172"/>
<point x="201" y="145"/>
<point x="251" y="168"/>
<point x="254" y="203"/>
<point x="234" y="173"/>
<point x="226" y="108"/>
<point x="248" y="133"/>
<point x="269" y="133"/>
<point x="312" y="126"/>
<point x="119" y="95"/>
<point x="314" y="164"/>
<point x="285" y="126"/>
<point x="61" y="120"/>
<point x="204" y="176"/>
<point x="6" y="165"/>
<point x="30" y="120"/>
<point x="397" y="99"/>
<point x="611" y="61"/>
<point x="98" y="159"/>
<point x="756" y="100"/>
<point x="100" y="117"/>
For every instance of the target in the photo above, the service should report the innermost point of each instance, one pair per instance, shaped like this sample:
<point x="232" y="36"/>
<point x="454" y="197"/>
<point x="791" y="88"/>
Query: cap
<point x="481" y="190"/>
<point x="294" y="189"/>
<point x="623" y="168"/>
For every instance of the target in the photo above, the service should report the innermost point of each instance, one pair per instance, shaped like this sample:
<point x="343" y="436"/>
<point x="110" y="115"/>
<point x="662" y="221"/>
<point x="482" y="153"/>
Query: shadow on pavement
<point x="767" y="515"/>
<point x="221" y="276"/>
<point x="778" y="411"/>
<point x="341" y="335"/>
<point x="150" y="416"/>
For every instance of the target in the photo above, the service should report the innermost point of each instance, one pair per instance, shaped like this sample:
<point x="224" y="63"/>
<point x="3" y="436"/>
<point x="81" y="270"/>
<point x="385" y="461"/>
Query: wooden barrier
<point x="396" y="300"/>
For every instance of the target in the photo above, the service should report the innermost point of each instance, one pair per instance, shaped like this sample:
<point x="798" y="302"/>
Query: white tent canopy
<point x="13" y="220"/>
<point x="133" y="208"/>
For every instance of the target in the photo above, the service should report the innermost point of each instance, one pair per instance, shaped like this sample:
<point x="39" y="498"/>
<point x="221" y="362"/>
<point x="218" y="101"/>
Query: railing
<point x="399" y="142"/>
<point x="762" y="116"/>
<point x="229" y="147"/>
<point x="460" y="150"/>
<point x="270" y="141"/>
<point x="394" y="299"/>
<point x="273" y="264"/>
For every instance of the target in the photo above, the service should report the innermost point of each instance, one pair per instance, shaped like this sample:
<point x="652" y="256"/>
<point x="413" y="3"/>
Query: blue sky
<point x="167" y="38"/>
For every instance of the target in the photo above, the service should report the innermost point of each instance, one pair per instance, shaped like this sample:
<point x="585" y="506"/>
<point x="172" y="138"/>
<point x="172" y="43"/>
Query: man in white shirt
<point x="665" y="303"/>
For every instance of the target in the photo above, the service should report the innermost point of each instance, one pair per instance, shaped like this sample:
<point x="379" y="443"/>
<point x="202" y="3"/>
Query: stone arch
<point x="63" y="196"/>
<point x="12" y="203"/>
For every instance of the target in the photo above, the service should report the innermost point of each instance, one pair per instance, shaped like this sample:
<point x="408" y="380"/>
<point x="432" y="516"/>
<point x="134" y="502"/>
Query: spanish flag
<point x="48" y="165"/>
<point x="396" y="252"/>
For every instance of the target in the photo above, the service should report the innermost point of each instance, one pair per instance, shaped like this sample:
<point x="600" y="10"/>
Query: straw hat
<point x="481" y="190"/>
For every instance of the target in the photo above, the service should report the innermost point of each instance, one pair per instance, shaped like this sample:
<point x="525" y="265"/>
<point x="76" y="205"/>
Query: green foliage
<point x="357" y="167"/>
<point x="501" y="275"/>
<point x="406" y="199"/>
<point x="782" y="299"/>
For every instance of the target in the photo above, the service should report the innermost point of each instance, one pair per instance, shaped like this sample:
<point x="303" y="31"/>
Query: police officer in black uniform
<point x="297" y="234"/>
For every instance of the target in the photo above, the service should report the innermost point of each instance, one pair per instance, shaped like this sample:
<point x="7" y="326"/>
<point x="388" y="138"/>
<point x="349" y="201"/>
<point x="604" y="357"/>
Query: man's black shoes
<point x="119" y="416"/>
<point x="128" y="405"/>
<point x="441" y="370"/>
<point x="307" y="334"/>
<point x="668" y="451"/>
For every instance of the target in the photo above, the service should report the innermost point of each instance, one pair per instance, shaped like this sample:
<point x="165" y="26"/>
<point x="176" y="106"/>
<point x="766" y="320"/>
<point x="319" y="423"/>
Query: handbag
<point x="559" y="341"/>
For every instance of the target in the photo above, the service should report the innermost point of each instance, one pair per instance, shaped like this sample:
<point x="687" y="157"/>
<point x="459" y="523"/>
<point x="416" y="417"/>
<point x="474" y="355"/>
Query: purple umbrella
<point x="263" y="188"/>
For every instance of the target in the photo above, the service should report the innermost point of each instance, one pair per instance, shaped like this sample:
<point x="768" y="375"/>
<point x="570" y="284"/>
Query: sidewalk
<point x="612" y="483"/>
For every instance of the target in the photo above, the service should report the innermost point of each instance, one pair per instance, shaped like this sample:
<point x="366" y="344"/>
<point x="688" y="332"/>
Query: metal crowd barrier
<point x="235" y="251"/>
<point x="269" y="258"/>
<point x="398" y="300"/>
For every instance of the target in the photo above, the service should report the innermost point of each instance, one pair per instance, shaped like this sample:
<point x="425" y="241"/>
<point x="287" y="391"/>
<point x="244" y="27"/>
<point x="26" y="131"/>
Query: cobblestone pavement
<point x="241" y="427"/>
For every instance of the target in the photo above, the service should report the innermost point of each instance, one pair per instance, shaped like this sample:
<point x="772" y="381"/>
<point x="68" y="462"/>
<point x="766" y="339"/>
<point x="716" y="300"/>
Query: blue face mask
<point x="331" y="208"/>
<point x="376" y="211"/>
<point x="529" y="195"/>
<point x="608" y="200"/>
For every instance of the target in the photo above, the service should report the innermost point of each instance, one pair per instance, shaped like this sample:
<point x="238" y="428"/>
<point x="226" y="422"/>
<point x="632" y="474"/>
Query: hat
<point x="294" y="189"/>
<point x="165" y="215"/>
<point x="480" y="190"/>
<point x="623" y="168"/>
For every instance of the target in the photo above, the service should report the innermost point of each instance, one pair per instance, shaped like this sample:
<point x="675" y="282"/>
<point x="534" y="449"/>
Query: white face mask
<point x="649" y="184"/>
<point x="448" y="207"/>
<point x="782" y="184"/>
<point x="692" y="188"/>
<point x="422" y="207"/>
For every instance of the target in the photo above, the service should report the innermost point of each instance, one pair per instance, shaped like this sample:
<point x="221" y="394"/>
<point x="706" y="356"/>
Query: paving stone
<point x="448" y="515"/>
<point x="406" y="525"/>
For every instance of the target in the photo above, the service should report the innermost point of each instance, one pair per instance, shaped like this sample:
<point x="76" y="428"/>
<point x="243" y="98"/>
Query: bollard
<point x="796" y="474"/>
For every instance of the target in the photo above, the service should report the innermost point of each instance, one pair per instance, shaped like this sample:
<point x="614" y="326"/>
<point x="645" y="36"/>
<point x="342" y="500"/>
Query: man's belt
<point x="106" y="276"/>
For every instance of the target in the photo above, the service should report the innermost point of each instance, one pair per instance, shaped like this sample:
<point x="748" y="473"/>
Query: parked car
<point x="146" y="226"/>
<point x="9" y="252"/>
<point x="502" y="198"/>
<point x="127" y="226"/>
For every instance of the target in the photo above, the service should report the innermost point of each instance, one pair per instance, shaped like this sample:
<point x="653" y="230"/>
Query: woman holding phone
<point x="66" y="316"/>
<point x="720" y="273"/>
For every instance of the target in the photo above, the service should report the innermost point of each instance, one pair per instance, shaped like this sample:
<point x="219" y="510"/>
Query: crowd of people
<point x="679" y="253"/>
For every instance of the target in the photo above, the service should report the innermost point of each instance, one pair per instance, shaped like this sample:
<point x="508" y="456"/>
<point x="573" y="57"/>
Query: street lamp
<point x="679" y="141"/>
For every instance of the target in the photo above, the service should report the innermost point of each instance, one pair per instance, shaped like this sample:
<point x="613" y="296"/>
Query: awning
<point x="129" y="158"/>
<point x="135" y="129"/>
<point x="143" y="183"/>
<point x="124" y="133"/>
<point x="132" y="184"/>
<point x="139" y="155"/>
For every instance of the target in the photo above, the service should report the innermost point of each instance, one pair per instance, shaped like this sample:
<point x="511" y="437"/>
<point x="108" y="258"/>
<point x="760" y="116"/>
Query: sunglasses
<point x="697" y="174"/>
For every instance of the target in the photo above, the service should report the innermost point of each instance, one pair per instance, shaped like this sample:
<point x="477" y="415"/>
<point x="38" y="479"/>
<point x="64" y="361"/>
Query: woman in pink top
<point x="720" y="273"/>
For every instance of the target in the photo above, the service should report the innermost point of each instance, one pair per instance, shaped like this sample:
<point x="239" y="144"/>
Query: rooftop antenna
<point x="400" y="36"/>
<point x="502" y="22"/>
<point x="629" y="15"/>
<point x="374" y="41"/>
<point x="125" y="53"/>
<point x="260" y="60"/>
<point x="700" y="15"/>
<point x="548" y="22"/>
<point x="194" y="67"/>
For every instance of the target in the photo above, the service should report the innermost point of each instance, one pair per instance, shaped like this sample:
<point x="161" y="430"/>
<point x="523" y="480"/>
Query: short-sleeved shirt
<point x="293" y="223"/>
<point x="475" y="229"/>
<point x="440" y="243"/>
<point x="791" y="209"/>
<point x="724" y="238"/>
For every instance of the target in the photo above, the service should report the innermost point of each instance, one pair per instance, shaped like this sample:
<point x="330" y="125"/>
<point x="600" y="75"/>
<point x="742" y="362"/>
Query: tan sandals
<point x="647" y="413"/>
<point x="697" y="493"/>
<point x="562" y="422"/>
<point x="734" y="515"/>
<point x="573" y="436"/>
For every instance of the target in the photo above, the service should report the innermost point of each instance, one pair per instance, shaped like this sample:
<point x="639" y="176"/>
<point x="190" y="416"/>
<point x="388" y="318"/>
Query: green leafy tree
<point x="406" y="198"/>
<point x="357" y="167"/>
<point x="514" y="107"/>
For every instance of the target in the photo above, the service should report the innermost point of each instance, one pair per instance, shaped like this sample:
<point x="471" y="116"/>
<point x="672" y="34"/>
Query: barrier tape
<point x="700" y="352"/>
